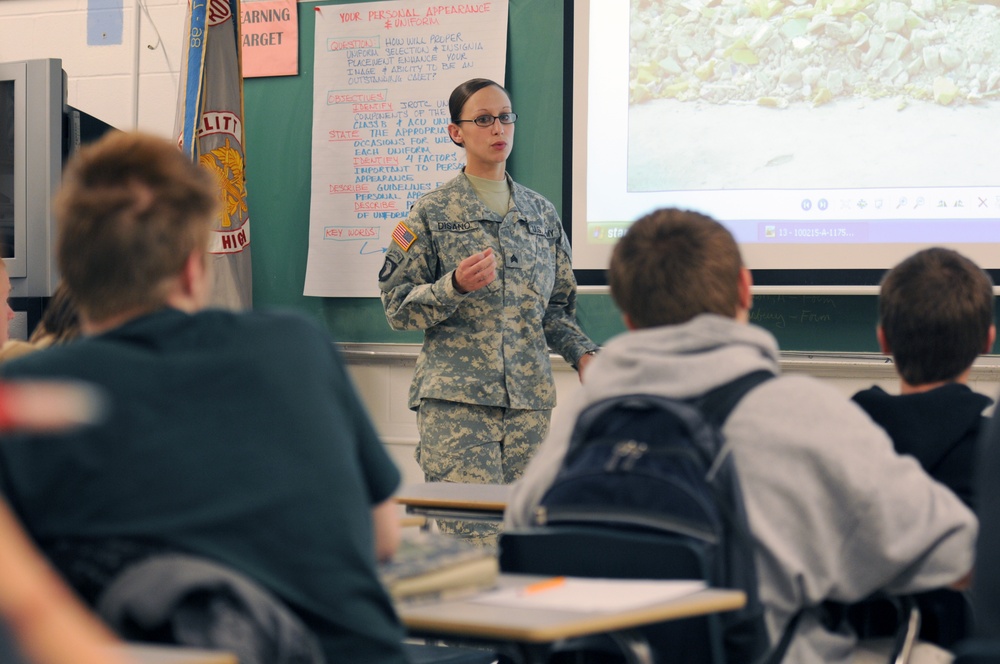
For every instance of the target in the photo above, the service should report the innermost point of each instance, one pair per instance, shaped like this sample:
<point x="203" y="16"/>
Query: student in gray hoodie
<point x="836" y="513"/>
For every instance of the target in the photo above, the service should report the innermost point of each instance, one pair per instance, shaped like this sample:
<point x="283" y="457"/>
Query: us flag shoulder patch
<point x="403" y="236"/>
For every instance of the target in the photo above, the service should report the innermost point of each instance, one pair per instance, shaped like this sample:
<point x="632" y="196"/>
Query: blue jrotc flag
<point x="209" y="128"/>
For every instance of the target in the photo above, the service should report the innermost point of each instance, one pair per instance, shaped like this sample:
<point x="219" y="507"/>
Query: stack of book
<point x="436" y="566"/>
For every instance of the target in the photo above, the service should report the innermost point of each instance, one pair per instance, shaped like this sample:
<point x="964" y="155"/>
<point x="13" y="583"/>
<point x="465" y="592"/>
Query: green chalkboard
<point x="831" y="323"/>
<point x="278" y="145"/>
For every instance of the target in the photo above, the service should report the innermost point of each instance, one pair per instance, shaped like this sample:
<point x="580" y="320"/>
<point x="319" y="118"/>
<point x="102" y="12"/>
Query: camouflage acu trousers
<point x="461" y="442"/>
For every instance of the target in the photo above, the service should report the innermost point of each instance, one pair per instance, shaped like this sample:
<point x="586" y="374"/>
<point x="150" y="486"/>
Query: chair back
<point x="977" y="651"/>
<point x="193" y="601"/>
<point x="609" y="552"/>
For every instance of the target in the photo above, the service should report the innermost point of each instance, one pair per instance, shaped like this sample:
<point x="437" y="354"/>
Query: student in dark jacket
<point x="935" y="318"/>
<point x="986" y="581"/>
<point x="237" y="438"/>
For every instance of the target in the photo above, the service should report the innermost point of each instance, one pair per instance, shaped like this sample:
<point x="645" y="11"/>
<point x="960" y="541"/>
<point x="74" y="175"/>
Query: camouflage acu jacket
<point x="491" y="346"/>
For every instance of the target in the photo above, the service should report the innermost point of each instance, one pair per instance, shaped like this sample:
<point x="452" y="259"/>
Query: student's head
<point x="7" y="314"/>
<point x="60" y="321"/>
<point x="672" y="265"/>
<point x="935" y="315"/>
<point x="133" y="216"/>
<point x="484" y="145"/>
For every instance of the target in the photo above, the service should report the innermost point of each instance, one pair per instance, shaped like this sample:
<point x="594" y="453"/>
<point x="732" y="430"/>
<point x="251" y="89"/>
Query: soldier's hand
<point x="476" y="271"/>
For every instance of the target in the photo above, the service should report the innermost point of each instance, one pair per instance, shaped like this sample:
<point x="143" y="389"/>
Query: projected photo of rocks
<point x="818" y="93"/>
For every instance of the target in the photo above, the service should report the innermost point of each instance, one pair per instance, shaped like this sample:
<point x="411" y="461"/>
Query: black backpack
<point x="652" y="463"/>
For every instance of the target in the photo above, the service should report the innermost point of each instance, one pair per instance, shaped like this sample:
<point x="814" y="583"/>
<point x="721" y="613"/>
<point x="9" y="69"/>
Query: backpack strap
<point x="716" y="406"/>
<point x="777" y="653"/>
<point x="718" y="403"/>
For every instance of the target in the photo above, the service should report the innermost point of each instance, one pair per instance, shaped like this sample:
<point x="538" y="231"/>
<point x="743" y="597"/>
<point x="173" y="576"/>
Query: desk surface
<point x="142" y="653"/>
<point x="484" y="621"/>
<point x="454" y="495"/>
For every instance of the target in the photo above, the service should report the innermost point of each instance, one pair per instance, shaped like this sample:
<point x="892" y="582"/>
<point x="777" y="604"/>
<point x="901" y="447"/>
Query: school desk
<point x="527" y="632"/>
<point x="148" y="653"/>
<point x="454" y="500"/>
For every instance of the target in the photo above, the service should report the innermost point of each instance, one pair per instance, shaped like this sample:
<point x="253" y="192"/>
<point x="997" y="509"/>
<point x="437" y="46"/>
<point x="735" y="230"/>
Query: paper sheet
<point x="593" y="595"/>
<point x="382" y="75"/>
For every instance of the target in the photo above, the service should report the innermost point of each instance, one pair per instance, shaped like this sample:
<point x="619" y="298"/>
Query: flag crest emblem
<point x="226" y="164"/>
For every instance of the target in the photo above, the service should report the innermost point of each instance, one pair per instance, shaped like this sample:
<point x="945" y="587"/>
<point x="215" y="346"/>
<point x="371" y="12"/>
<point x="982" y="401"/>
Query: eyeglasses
<point x="488" y="120"/>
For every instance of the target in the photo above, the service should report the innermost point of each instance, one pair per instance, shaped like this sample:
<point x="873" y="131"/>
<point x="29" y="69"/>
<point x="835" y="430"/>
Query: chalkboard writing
<point x="783" y="311"/>
<point x="813" y="322"/>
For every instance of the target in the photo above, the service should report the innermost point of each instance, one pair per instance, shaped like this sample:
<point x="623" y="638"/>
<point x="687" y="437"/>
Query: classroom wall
<point x="123" y="68"/>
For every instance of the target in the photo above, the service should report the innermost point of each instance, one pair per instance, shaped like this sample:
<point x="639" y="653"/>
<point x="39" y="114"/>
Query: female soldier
<point x="481" y="264"/>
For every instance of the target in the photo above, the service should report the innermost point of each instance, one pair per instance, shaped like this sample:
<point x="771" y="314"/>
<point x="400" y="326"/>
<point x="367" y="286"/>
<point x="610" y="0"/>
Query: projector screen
<point x="832" y="137"/>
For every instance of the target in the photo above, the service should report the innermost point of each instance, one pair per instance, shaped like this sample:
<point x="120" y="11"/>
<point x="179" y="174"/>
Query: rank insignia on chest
<point x="403" y="236"/>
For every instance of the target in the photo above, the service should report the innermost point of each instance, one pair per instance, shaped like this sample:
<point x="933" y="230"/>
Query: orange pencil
<point x="541" y="586"/>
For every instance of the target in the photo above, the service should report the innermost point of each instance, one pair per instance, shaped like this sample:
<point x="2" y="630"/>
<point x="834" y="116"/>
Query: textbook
<point x="435" y="566"/>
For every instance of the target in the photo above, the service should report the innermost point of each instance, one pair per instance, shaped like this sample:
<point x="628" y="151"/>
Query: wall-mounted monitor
<point x="38" y="132"/>
<point x="833" y="139"/>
